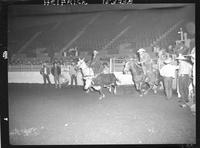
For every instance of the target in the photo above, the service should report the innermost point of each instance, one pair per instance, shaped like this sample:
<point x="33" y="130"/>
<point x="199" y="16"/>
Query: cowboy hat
<point x="141" y="50"/>
<point x="181" y="57"/>
<point x="95" y="51"/>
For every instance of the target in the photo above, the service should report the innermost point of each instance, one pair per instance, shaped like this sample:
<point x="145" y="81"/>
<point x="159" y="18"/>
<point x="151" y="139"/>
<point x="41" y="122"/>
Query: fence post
<point x="110" y="65"/>
<point x="113" y="64"/>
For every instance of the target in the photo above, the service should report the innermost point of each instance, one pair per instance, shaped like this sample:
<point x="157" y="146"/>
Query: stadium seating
<point x="74" y="30"/>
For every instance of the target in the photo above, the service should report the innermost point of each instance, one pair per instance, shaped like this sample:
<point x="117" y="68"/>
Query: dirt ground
<point x="39" y="115"/>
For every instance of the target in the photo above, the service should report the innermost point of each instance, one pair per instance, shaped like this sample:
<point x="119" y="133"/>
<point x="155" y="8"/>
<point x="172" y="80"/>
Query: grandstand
<point x="101" y="30"/>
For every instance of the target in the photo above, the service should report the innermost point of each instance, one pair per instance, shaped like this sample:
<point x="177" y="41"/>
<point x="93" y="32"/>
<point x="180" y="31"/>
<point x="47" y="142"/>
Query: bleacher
<point x="56" y="32"/>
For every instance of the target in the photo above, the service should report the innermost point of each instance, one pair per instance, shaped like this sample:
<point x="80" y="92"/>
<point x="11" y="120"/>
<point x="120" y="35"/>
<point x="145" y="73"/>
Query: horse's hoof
<point x="114" y="92"/>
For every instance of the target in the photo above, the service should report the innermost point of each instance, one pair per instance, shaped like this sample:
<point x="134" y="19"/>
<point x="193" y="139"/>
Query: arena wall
<point x="35" y="77"/>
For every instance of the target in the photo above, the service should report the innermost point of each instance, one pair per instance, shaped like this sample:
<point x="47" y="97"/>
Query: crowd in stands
<point x="26" y="62"/>
<point x="36" y="61"/>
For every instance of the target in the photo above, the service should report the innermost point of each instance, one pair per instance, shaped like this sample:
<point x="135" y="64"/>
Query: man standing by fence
<point x="45" y="72"/>
<point x="106" y="68"/>
<point x="56" y="71"/>
<point x="168" y="72"/>
<point x="185" y="69"/>
<point x="73" y="74"/>
<point x="193" y="59"/>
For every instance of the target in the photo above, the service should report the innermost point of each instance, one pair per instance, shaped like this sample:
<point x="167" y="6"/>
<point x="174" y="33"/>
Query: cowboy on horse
<point x="145" y="61"/>
<point x="95" y="63"/>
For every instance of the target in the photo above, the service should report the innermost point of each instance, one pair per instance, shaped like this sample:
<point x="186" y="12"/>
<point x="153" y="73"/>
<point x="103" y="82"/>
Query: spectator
<point x="185" y="69"/>
<point x="56" y="71"/>
<point x="193" y="59"/>
<point x="73" y="74"/>
<point x="106" y="69"/>
<point x="45" y="72"/>
<point x="168" y="71"/>
<point x="170" y="49"/>
<point x="63" y="77"/>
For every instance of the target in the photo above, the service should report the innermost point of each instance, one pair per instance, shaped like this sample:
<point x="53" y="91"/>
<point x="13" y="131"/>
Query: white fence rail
<point x="116" y="65"/>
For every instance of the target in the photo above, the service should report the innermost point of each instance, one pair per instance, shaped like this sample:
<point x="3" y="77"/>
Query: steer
<point x="100" y="81"/>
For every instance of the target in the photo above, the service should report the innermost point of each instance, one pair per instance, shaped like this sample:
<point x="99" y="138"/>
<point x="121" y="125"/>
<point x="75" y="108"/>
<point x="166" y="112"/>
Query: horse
<point x="139" y="79"/>
<point x="86" y="71"/>
<point x="99" y="81"/>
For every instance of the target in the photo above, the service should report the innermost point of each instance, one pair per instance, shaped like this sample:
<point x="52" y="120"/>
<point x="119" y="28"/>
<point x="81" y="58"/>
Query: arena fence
<point x="116" y="65"/>
<point x="30" y="73"/>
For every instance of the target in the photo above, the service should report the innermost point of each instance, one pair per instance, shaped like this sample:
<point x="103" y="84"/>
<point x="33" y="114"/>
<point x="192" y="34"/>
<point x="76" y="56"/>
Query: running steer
<point x="100" y="81"/>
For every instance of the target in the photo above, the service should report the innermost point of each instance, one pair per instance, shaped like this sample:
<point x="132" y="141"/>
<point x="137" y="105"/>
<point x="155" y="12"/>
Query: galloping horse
<point x="87" y="72"/>
<point x="139" y="79"/>
<point x="97" y="82"/>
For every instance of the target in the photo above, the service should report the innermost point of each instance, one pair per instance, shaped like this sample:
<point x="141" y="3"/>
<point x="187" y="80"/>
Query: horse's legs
<point x="110" y="89"/>
<point x="88" y="90"/>
<point x="101" y="94"/>
<point x="91" y="89"/>
<point x="177" y="84"/>
<point x="139" y="85"/>
<point x="151" y="86"/>
<point x="115" y="88"/>
<point x="155" y="88"/>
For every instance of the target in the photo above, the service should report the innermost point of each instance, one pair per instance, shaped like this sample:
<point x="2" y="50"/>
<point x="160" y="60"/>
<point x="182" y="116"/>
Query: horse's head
<point x="132" y="66"/>
<point x="81" y="63"/>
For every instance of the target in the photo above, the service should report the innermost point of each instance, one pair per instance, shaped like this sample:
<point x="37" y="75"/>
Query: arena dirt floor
<point x="39" y="115"/>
